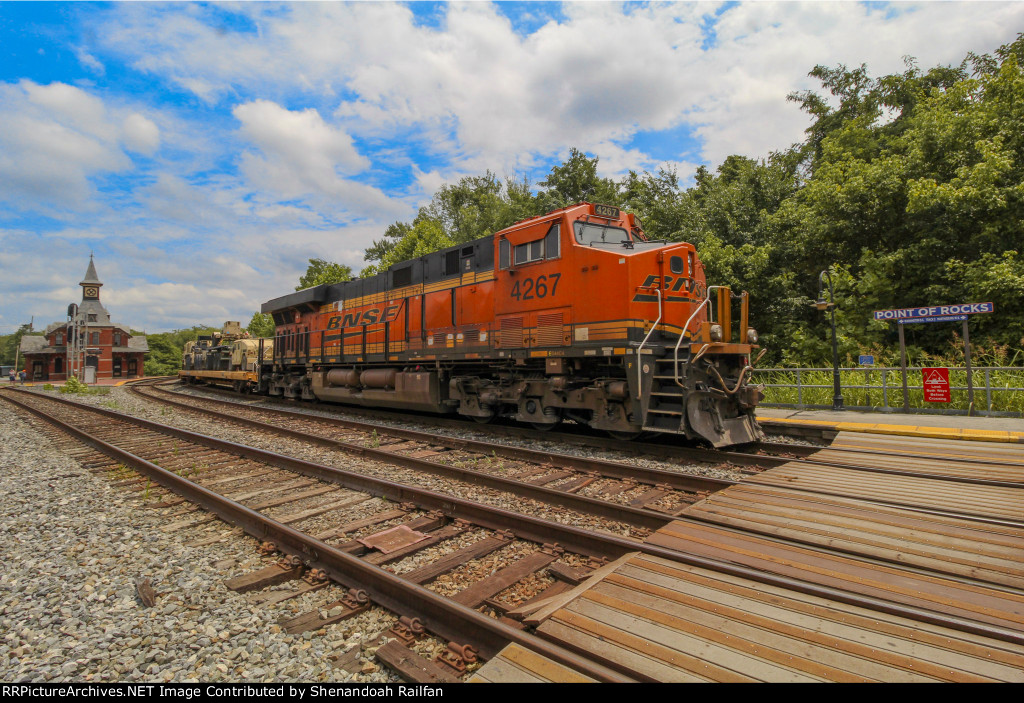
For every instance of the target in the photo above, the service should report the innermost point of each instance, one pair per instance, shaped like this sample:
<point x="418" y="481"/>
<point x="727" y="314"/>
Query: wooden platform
<point x="657" y="620"/>
<point x="516" y="664"/>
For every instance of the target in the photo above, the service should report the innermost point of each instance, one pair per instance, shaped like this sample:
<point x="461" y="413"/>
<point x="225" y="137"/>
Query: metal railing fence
<point x="997" y="390"/>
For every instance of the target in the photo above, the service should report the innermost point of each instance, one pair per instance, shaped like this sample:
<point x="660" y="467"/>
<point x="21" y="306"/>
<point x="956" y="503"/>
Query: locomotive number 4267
<point x="529" y="288"/>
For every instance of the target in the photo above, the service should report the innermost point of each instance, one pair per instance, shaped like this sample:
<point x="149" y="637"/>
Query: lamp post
<point x="822" y="305"/>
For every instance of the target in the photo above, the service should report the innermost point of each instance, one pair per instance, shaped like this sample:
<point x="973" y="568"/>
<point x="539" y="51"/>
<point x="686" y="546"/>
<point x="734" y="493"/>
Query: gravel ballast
<point x="72" y="549"/>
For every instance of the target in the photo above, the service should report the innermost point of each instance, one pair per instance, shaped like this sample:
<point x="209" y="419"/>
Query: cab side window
<point x="538" y="250"/>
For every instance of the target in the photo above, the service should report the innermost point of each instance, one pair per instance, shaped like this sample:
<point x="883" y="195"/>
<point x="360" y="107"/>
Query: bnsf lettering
<point x="538" y="288"/>
<point x="672" y="285"/>
<point x="364" y="317"/>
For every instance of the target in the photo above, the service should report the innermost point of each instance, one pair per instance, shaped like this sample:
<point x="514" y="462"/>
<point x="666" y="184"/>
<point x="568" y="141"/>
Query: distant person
<point x="23" y="375"/>
<point x="12" y="376"/>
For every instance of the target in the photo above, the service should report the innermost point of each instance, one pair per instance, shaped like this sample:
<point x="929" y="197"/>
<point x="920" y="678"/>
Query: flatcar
<point x="226" y="358"/>
<point x="572" y="315"/>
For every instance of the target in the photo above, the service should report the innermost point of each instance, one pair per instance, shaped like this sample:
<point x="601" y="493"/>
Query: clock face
<point x="91" y="292"/>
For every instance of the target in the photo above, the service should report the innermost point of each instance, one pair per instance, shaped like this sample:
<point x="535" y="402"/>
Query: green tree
<point x="261" y="325"/>
<point x="9" y="345"/>
<point x="576" y="181"/>
<point x="165" y="349"/>
<point x="917" y="188"/>
<point x="321" y="271"/>
<point x="475" y="207"/>
<point x="665" y="211"/>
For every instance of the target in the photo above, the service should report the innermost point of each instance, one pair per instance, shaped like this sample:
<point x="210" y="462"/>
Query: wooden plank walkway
<point x="964" y="548"/>
<point x="973" y="601"/>
<point x="658" y="620"/>
<point x="1001" y="503"/>
<point x="516" y="664"/>
<point x="988" y="460"/>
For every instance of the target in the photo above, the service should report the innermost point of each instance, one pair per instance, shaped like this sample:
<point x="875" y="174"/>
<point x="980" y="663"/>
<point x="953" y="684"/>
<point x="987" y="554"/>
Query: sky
<point x="204" y="152"/>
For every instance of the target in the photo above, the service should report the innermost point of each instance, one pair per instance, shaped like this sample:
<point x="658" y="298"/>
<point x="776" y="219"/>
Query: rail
<point x="869" y="389"/>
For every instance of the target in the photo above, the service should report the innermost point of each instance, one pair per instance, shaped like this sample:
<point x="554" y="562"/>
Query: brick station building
<point x="106" y="349"/>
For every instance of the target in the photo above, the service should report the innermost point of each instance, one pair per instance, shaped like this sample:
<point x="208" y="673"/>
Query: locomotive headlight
<point x="716" y="333"/>
<point x="751" y="335"/>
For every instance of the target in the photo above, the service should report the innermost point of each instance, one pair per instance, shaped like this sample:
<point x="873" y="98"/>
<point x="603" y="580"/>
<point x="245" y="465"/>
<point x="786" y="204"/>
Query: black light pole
<point x="822" y="304"/>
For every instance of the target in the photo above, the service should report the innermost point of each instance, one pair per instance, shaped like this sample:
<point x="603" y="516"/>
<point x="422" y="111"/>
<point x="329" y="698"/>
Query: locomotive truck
<point x="572" y="315"/>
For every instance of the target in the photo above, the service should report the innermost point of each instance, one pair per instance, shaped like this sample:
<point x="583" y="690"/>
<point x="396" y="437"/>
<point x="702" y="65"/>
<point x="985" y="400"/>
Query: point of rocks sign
<point x="935" y="313"/>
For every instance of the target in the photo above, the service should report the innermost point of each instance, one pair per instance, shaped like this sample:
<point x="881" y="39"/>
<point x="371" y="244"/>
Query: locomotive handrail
<point x="639" y="351"/>
<point x="686" y="330"/>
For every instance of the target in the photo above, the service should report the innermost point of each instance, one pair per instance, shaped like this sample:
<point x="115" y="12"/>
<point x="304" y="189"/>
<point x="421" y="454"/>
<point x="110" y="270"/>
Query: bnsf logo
<point x="364" y="317"/>
<point x="673" y="284"/>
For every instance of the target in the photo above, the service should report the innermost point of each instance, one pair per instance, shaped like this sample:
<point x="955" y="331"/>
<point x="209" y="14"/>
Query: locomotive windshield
<point x="589" y="233"/>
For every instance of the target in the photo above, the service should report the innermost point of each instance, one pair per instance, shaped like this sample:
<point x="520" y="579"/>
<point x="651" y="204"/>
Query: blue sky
<point x="204" y="152"/>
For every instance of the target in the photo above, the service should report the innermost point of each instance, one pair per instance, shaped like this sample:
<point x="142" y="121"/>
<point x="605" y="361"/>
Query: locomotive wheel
<point x="624" y="436"/>
<point x="544" y="426"/>
<point x="483" y="420"/>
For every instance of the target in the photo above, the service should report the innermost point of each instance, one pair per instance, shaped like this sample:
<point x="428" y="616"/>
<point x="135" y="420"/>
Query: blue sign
<point x="866" y="360"/>
<point x="936" y="311"/>
<point x="941" y="318"/>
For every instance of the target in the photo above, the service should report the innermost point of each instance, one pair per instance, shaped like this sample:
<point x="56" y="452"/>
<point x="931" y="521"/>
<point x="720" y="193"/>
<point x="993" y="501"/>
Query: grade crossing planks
<point x="992" y="502"/>
<point x="516" y="664"/>
<point x="658" y="620"/>
<point x="972" y="601"/>
<point x="953" y="458"/>
<point x="991" y="553"/>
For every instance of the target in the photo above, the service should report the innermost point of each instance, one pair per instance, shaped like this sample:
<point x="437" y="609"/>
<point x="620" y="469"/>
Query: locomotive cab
<point x="584" y="286"/>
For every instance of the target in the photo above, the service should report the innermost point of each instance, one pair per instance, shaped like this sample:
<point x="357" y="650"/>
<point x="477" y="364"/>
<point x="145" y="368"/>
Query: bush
<point x="73" y="385"/>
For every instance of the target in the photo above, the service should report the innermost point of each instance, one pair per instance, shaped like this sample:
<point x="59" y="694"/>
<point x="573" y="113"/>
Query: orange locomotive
<point x="569" y="315"/>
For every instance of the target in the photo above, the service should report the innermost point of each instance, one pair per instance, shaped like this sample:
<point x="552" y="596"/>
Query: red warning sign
<point x="936" y="385"/>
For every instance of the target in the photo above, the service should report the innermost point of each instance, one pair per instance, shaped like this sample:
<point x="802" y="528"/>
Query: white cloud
<point x="141" y="134"/>
<point x="301" y="155"/>
<point x="57" y="137"/>
<point x="481" y="95"/>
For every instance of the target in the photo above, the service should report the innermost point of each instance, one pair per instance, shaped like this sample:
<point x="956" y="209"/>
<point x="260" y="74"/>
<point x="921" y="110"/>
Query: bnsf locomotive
<point x="569" y="315"/>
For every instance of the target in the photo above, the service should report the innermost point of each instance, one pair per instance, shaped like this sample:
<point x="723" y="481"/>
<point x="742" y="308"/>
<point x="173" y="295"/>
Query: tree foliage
<point x="165" y="349"/>
<point x="321" y="271"/>
<point x="260" y="325"/>
<point x="10" y="343"/>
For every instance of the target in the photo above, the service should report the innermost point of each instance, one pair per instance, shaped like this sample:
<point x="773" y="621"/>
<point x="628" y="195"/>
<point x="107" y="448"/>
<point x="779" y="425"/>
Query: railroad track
<point x="338" y="564"/>
<point x="906" y="458"/>
<point x="644" y="497"/>
<point x="667" y="446"/>
<point x="264" y="495"/>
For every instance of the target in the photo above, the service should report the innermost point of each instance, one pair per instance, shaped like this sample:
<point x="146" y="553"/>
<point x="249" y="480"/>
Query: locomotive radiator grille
<point x="550" y="330"/>
<point x="511" y="332"/>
